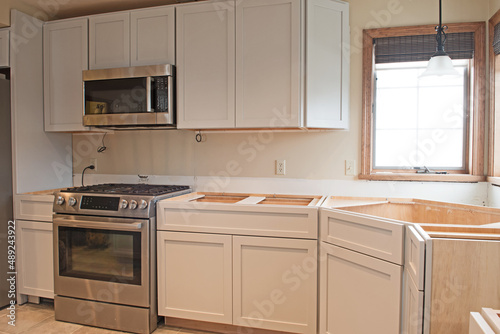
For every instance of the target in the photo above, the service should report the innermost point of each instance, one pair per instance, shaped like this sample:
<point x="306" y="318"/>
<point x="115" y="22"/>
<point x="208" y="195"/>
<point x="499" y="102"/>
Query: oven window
<point x="104" y="255"/>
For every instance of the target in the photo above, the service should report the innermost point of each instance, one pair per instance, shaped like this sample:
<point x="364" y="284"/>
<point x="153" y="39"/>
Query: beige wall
<point x="309" y="155"/>
<point x="7" y="5"/>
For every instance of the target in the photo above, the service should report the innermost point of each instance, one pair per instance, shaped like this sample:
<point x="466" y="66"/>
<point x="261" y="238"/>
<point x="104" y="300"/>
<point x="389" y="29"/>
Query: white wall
<point x="308" y="155"/>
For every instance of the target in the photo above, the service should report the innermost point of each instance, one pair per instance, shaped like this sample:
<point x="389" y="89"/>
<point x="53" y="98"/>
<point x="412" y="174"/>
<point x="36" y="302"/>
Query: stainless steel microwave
<point x="141" y="96"/>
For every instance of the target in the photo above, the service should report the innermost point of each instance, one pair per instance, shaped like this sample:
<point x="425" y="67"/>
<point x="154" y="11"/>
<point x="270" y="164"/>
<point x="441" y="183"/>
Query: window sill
<point x="423" y="177"/>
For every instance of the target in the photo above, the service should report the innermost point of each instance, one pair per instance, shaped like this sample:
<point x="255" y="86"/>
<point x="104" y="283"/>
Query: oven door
<point x="102" y="259"/>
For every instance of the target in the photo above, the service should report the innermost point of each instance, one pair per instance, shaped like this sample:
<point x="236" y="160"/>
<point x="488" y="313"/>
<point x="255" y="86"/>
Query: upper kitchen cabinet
<point x="152" y="36"/>
<point x="4" y="48"/>
<point x="109" y="40"/>
<point x="289" y="65"/>
<point x="205" y="65"/>
<point x="132" y="38"/>
<point x="268" y="64"/>
<point x="65" y="57"/>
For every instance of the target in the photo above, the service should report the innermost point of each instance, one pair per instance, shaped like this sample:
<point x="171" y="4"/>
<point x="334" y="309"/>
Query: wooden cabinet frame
<point x="475" y="159"/>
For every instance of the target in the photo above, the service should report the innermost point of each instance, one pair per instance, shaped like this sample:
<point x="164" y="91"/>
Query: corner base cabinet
<point x="263" y="64"/>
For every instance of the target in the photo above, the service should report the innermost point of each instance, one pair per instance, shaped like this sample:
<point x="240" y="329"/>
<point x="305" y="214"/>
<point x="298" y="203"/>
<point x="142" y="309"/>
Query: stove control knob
<point x="60" y="200"/>
<point x="124" y="204"/>
<point x="143" y="204"/>
<point x="133" y="204"/>
<point x="72" y="201"/>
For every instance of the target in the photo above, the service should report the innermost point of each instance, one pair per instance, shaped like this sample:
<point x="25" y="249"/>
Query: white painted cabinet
<point x="195" y="276"/>
<point x="239" y="259"/>
<point x="275" y="283"/>
<point x="65" y="52"/>
<point x="361" y="273"/>
<point x="413" y="306"/>
<point x="268" y="46"/>
<point x="34" y="246"/>
<point x="34" y="261"/>
<point x="289" y="67"/>
<point x="4" y="48"/>
<point x="205" y="65"/>
<point x="358" y="293"/>
<point x="152" y="36"/>
<point x="132" y="38"/>
<point x="109" y="40"/>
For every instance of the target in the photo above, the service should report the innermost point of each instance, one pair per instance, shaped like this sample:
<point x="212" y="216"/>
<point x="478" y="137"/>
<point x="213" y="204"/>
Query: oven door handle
<point x="100" y="225"/>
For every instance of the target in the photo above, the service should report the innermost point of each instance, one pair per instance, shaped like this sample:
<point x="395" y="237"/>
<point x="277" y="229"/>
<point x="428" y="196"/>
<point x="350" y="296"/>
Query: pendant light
<point x="440" y="63"/>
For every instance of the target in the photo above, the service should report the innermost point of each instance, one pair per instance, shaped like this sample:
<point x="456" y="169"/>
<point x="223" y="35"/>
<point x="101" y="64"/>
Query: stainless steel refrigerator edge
<point x="6" y="213"/>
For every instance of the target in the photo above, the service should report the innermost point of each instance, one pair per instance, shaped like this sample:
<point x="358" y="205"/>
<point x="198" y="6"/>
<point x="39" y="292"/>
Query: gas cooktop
<point x="115" y="199"/>
<point x="127" y="189"/>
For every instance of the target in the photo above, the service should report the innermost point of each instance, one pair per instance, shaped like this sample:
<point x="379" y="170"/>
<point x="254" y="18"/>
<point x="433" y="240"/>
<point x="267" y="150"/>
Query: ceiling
<point x="61" y="9"/>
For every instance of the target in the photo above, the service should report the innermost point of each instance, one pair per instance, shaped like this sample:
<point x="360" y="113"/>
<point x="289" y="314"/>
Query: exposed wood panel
<point x="464" y="279"/>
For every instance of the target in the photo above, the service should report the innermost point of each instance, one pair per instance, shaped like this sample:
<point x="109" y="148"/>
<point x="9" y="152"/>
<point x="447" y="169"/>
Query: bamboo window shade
<point x="496" y="39"/>
<point x="421" y="47"/>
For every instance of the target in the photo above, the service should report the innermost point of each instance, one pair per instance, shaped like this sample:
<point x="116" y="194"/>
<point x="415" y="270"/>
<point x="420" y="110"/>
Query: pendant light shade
<point x="440" y="63"/>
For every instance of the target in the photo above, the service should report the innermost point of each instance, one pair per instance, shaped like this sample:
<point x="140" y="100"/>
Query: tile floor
<point x="39" y="319"/>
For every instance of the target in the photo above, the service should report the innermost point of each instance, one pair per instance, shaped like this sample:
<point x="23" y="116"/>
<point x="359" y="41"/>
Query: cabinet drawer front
<point x="275" y="284"/>
<point x="415" y="256"/>
<point x="371" y="236"/>
<point x="239" y="219"/>
<point x="413" y="307"/>
<point x="195" y="276"/>
<point x="358" y="293"/>
<point x="33" y="207"/>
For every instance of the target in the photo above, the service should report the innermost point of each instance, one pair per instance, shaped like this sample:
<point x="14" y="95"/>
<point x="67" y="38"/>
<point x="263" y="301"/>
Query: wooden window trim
<point x="494" y="128"/>
<point x="475" y="165"/>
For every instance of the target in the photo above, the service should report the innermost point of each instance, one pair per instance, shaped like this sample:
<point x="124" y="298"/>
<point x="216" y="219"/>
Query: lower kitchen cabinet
<point x="358" y="293"/>
<point x="413" y="307"/>
<point x="259" y="282"/>
<point x="275" y="283"/>
<point x="195" y="276"/>
<point x="34" y="263"/>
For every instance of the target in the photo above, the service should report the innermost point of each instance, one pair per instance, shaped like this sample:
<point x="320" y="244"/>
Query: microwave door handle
<point x="148" y="93"/>
<point x="170" y="98"/>
<point x="102" y="225"/>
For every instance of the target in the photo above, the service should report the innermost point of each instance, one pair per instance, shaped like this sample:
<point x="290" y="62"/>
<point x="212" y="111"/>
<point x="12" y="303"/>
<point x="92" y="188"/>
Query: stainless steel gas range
<point x="105" y="255"/>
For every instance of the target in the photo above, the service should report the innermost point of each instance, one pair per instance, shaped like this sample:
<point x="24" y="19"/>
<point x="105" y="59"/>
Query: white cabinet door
<point x="4" y="48"/>
<point x="65" y="57"/>
<point x="109" y="40"/>
<point x="275" y="284"/>
<point x="415" y="256"/>
<point x="413" y="307"/>
<point x="152" y="33"/>
<point x="268" y="71"/>
<point x="195" y="276"/>
<point x="359" y="294"/>
<point x="34" y="261"/>
<point x="205" y="65"/>
<point x="327" y="64"/>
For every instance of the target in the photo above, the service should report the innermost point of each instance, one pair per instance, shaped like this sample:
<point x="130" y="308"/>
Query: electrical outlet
<point x="350" y="167"/>
<point x="280" y="167"/>
<point x="93" y="161"/>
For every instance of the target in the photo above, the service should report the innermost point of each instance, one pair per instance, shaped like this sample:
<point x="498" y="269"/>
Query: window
<point x="428" y="129"/>
<point x="494" y="126"/>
